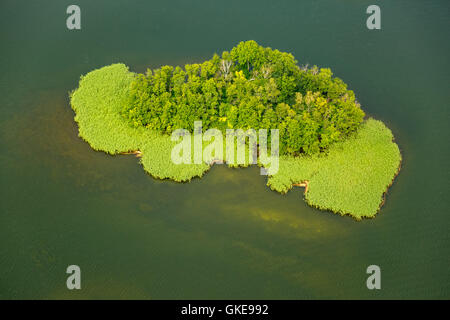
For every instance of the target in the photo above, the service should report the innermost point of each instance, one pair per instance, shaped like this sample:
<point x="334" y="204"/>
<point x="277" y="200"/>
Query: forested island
<point x="345" y="161"/>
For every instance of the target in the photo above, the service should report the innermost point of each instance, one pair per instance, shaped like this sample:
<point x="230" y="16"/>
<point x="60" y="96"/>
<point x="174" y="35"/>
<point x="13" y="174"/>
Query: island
<point x="326" y="144"/>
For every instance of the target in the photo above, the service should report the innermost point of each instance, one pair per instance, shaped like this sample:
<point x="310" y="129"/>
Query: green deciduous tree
<point x="248" y="87"/>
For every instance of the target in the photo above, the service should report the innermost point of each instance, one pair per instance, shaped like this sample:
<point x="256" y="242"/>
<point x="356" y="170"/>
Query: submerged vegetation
<point x="118" y="111"/>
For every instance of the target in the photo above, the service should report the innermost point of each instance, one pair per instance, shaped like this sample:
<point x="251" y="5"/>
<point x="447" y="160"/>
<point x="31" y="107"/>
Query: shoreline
<point x="303" y="184"/>
<point x="390" y="185"/>
<point x="137" y="153"/>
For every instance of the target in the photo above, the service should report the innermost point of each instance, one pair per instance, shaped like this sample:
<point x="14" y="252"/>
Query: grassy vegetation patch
<point x="97" y="103"/>
<point x="351" y="178"/>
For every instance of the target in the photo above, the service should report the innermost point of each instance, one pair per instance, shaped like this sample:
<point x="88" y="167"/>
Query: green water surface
<point x="226" y="235"/>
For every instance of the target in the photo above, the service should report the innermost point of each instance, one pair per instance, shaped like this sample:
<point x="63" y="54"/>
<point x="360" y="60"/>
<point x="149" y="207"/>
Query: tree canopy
<point x="247" y="87"/>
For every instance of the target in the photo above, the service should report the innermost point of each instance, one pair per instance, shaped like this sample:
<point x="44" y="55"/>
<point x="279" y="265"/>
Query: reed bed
<point x="351" y="178"/>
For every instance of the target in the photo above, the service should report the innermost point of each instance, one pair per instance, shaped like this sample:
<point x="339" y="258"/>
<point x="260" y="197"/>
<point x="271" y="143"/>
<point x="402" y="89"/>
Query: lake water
<point x="226" y="235"/>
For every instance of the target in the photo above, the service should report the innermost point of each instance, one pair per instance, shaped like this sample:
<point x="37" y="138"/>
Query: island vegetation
<point x="248" y="87"/>
<point x="347" y="163"/>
